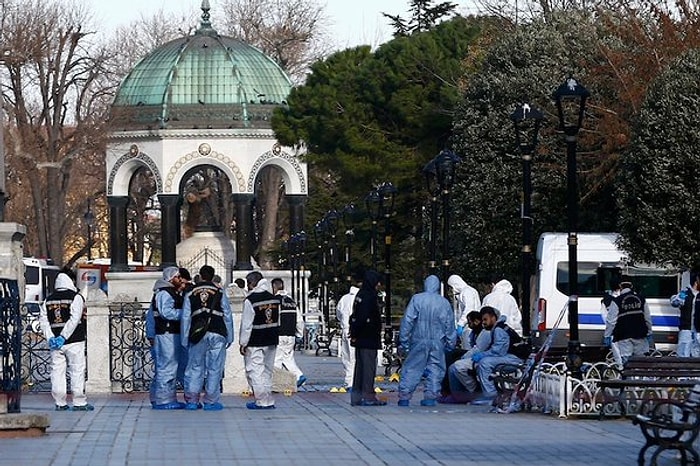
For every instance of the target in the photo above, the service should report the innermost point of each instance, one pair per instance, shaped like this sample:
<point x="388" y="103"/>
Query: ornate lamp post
<point x="90" y="222"/>
<point x="301" y="276"/>
<point x="430" y="173"/>
<point x="445" y="166"/>
<point x="372" y="202"/>
<point x="348" y="215"/>
<point x="526" y="123"/>
<point x="331" y="220"/>
<point x="387" y="196"/>
<point x="570" y="99"/>
<point x="320" y="236"/>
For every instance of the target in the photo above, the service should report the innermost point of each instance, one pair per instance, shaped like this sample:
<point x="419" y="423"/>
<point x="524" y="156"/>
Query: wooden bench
<point x="648" y="372"/>
<point x="670" y="425"/>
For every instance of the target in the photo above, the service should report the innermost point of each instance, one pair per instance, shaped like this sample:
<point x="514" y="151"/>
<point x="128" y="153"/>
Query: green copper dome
<point x="201" y="81"/>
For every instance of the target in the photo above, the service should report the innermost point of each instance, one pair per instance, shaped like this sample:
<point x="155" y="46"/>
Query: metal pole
<point x="445" y="238"/>
<point x="432" y="263"/>
<point x="373" y="244"/>
<point x="527" y="240"/>
<point x="574" y="348"/>
<point x="388" y="334"/>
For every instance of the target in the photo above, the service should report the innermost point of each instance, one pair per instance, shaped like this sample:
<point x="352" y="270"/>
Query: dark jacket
<point x="366" y="317"/>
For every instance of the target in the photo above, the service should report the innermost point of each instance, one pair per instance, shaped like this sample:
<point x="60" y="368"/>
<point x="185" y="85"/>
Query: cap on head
<point x="170" y="272"/>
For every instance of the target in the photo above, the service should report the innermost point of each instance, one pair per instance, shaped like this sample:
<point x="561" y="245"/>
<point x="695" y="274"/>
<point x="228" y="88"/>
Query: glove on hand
<point x="650" y="339"/>
<point x="476" y="357"/>
<point x="607" y="341"/>
<point x="460" y="330"/>
<point x="56" y="342"/>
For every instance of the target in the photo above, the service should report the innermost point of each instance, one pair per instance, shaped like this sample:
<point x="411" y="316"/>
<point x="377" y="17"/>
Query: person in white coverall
<point x="503" y="301"/>
<point x="466" y="300"/>
<point x="346" y="352"/>
<point x="259" y="337"/>
<point x="291" y="328"/>
<point x="63" y="322"/>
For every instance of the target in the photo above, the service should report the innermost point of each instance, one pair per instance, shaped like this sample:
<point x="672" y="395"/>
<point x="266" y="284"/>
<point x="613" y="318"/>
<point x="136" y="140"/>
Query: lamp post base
<point x="574" y="359"/>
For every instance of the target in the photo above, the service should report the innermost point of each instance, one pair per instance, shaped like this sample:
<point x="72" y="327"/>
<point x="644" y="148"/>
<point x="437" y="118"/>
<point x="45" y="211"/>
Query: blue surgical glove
<point x="460" y="330"/>
<point x="56" y="342"/>
<point x="476" y="357"/>
<point x="60" y="341"/>
<point x="607" y="341"/>
<point x="52" y="343"/>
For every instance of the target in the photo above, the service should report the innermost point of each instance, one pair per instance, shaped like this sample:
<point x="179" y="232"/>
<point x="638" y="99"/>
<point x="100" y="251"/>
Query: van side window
<point x="587" y="278"/>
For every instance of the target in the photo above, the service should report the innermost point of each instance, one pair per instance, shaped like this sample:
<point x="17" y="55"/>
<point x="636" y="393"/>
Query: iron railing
<point x="10" y="345"/>
<point x="131" y="361"/>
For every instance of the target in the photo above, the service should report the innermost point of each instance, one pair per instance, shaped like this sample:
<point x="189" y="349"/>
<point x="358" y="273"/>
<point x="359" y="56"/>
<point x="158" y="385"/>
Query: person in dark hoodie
<point x="365" y="336"/>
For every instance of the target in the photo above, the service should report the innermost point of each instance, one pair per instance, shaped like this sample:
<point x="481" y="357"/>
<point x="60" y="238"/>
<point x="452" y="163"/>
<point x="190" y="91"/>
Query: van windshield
<point x="593" y="279"/>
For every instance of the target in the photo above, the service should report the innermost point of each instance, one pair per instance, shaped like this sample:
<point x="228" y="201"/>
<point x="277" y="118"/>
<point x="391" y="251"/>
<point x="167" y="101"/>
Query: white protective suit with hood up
<point x="503" y="301"/>
<point x="466" y="297"/>
<point x="346" y="352"/>
<point x="71" y="355"/>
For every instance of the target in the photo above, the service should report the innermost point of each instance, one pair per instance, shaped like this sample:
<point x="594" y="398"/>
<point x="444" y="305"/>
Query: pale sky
<point x="353" y="22"/>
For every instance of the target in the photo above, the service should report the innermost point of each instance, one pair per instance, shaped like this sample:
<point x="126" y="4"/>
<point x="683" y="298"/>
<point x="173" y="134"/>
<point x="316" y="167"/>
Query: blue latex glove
<point x="607" y="341"/>
<point x="477" y="357"/>
<point x="56" y="342"/>
<point x="460" y="330"/>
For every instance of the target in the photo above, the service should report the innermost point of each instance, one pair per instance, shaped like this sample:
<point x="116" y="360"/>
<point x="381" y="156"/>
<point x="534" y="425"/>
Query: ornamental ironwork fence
<point x="10" y="346"/>
<point x="131" y="361"/>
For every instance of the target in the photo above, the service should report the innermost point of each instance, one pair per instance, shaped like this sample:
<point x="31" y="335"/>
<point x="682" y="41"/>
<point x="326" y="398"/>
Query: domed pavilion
<point x="199" y="102"/>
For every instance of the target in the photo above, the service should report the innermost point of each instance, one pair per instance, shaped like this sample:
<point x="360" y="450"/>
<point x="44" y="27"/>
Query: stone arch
<point x="292" y="171"/>
<point x="203" y="156"/>
<point x="124" y="168"/>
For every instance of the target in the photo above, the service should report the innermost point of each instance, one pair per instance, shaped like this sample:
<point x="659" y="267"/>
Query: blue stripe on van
<point x="656" y="321"/>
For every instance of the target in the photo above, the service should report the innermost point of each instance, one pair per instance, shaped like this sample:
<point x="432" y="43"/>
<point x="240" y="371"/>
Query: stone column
<point x="296" y="212"/>
<point x="169" y="225"/>
<point x="117" y="233"/>
<point x="98" y="348"/>
<point x="244" y="230"/>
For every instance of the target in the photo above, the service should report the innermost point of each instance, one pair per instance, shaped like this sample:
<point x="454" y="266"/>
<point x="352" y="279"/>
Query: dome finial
<point x="205" y="25"/>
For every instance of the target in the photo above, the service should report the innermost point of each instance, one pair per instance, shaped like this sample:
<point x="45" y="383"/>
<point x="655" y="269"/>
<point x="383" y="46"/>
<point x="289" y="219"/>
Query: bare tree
<point x="292" y="32"/>
<point x="56" y="90"/>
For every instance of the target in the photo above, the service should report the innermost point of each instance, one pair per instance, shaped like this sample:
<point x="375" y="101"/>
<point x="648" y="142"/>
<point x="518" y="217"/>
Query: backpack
<point x="517" y="347"/>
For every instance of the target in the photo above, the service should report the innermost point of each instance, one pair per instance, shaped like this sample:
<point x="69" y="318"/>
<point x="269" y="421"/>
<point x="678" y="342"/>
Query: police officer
<point x="259" y="337"/>
<point x="63" y="321"/>
<point x="207" y="330"/>
<point x="291" y="328"/>
<point x="166" y="309"/>
<point x="628" y="322"/>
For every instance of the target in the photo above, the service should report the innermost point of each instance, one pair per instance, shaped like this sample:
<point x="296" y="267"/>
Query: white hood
<point x="456" y="282"/>
<point x="63" y="282"/>
<point x="503" y="286"/>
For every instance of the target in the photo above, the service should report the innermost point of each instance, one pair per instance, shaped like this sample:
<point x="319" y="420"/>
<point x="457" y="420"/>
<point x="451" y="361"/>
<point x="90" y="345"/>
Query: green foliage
<point x="660" y="174"/>
<point x="525" y="65"/>
<point x="372" y="117"/>
<point x="424" y="16"/>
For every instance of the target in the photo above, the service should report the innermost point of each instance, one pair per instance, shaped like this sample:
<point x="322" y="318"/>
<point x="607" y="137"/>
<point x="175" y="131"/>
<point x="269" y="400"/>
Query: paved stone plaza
<point x="316" y="427"/>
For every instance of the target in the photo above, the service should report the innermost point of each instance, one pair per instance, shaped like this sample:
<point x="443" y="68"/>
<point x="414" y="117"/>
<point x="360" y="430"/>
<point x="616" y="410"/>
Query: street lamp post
<point x="348" y="216"/>
<point x="430" y="173"/>
<point x="570" y="99"/>
<point x="90" y="222"/>
<point x="331" y="220"/>
<point x="320" y="235"/>
<point x="301" y="275"/>
<point x="387" y="196"/>
<point x="446" y="165"/>
<point x="526" y="122"/>
<point x="372" y="202"/>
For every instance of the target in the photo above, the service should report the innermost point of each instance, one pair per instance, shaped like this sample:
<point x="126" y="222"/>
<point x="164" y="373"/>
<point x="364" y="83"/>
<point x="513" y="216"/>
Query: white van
<point x="599" y="260"/>
<point x="39" y="278"/>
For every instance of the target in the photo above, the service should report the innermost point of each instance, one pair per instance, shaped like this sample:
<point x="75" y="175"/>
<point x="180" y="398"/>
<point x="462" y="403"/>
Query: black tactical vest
<point x="630" y="318"/>
<point x="288" y="316"/>
<point x="58" y="313"/>
<point x="164" y="325"/>
<point x="266" y="323"/>
<point x="207" y="313"/>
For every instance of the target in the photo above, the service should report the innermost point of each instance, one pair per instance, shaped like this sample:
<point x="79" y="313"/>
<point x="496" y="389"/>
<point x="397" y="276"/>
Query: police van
<point x="39" y="278"/>
<point x="599" y="260"/>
